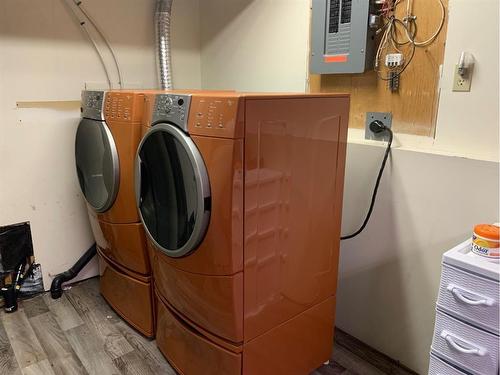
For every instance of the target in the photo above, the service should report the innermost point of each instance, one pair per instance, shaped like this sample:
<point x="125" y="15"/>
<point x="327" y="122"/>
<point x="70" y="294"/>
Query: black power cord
<point x="376" y="127"/>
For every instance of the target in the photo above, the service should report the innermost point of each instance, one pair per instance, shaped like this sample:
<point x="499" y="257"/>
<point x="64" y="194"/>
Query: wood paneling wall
<point x="414" y="106"/>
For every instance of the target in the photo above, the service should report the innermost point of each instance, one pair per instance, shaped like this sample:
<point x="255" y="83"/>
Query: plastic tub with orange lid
<point x="486" y="241"/>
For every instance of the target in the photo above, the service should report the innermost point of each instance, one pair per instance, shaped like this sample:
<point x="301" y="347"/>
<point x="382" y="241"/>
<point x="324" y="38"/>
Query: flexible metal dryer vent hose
<point x="163" y="50"/>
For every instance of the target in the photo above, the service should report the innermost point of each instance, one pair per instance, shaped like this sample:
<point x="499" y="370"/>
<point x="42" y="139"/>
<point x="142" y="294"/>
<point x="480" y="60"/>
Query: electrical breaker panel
<point x="343" y="36"/>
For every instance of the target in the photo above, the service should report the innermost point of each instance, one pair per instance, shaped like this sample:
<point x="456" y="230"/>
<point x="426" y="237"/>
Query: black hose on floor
<point x="56" y="286"/>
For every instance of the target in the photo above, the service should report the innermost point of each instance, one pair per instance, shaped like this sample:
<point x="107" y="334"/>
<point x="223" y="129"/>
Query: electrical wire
<point x="91" y="39"/>
<point x="382" y="43"/>
<point x="375" y="190"/>
<point x="394" y="36"/>
<point x="412" y="20"/>
<point x="101" y="34"/>
<point x="409" y="7"/>
<point x="390" y="39"/>
<point x="408" y="61"/>
<point x="99" y="53"/>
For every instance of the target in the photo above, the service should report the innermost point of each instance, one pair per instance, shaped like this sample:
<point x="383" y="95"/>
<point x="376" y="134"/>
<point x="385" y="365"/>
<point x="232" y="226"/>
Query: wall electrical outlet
<point x="393" y="60"/>
<point x="385" y="117"/>
<point x="462" y="82"/>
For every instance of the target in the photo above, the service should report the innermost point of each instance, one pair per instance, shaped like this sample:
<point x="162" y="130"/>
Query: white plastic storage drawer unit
<point x="466" y="335"/>
<point x="470" y="348"/>
<point x="469" y="297"/>
<point x="440" y="367"/>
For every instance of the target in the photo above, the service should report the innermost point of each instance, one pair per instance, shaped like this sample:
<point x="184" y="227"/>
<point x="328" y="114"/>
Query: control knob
<point x="168" y="104"/>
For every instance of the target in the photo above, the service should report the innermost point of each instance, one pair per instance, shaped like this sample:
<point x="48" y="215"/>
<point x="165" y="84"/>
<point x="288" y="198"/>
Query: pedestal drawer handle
<point x="458" y="293"/>
<point x="461" y="345"/>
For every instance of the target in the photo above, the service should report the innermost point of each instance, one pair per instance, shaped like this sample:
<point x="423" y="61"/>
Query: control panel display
<point x="92" y="104"/>
<point x="173" y="109"/>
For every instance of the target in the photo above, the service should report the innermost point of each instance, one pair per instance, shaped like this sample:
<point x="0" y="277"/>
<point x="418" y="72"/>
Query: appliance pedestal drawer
<point x="468" y="347"/>
<point x="130" y="297"/>
<point x="190" y="352"/>
<point x="214" y="303"/>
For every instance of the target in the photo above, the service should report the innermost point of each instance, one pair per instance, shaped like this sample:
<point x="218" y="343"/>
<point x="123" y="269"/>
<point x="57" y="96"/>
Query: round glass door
<point x="97" y="164"/>
<point x="173" y="190"/>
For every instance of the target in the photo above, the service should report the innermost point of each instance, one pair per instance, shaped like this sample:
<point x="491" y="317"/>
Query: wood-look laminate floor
<point x="80" y="334"/>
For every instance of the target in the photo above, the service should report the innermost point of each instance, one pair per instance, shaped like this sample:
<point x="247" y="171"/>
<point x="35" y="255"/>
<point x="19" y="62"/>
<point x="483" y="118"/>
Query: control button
<point x="180" y="101"/>
<point x="221" y="125"/>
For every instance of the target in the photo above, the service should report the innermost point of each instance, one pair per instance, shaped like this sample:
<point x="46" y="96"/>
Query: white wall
<point x="45" y="57"/>
<point x="429" y="201"/>
<point x="389" y="274"/>
<point x="254" y="45"/>
<point x="433" y="191"/>
<point x="471" y="132"/>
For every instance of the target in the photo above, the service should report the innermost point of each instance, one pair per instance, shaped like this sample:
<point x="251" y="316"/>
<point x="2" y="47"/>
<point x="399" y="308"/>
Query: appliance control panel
<point x="92" y="105"/>
<point x="214" y="112"/>
<point x="172" y="108"/>
<point x="120" y="106"/>
<point x="215" y="116"/>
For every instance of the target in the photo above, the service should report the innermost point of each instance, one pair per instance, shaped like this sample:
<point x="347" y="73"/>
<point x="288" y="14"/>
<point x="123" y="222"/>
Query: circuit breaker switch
<point x="374" y="21"/>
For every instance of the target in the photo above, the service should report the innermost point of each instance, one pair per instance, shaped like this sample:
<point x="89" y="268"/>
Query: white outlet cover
<point x="462" y="83"/>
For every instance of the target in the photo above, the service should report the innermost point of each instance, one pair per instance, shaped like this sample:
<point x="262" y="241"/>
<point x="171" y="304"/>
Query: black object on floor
<point x="16" y="245"/>
<point x="11" y="292"/>
<point x="56" y="286"/>
<point x="17" y="263"/>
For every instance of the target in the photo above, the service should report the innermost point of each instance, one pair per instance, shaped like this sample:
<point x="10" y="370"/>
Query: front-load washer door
<point x="172" y="190"/>
<point x="97" y="164"/>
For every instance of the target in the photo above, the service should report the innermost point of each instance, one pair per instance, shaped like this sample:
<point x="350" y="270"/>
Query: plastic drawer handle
<point x="458" y="292"/>
<point x="461" y="345"/>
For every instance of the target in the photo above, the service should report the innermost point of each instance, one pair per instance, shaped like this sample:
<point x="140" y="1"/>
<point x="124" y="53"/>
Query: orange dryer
<point x="241" y="197"/>
<point x="105" y="147"/>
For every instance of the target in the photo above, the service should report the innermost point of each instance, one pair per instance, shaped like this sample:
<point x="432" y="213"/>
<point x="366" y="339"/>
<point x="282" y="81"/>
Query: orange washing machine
<point x="241" y="198"/>
<point x="105" y="147"/>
